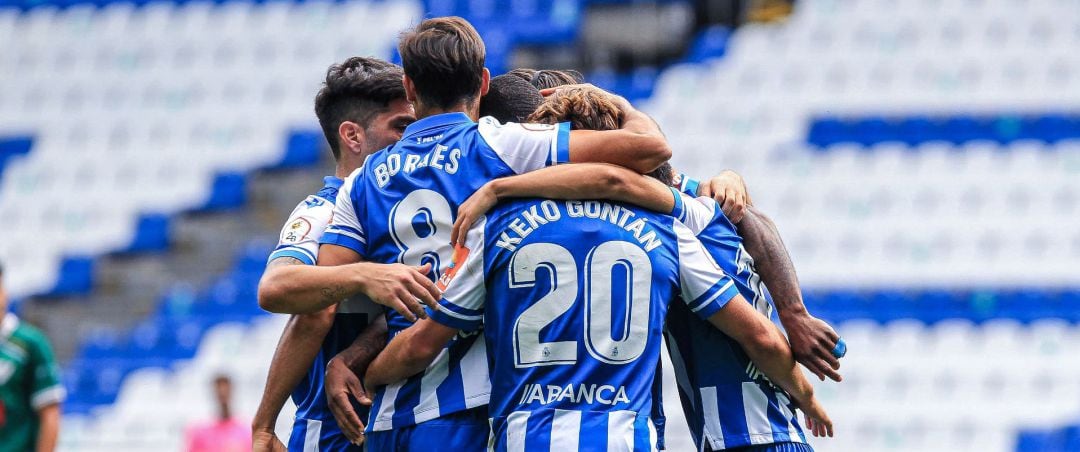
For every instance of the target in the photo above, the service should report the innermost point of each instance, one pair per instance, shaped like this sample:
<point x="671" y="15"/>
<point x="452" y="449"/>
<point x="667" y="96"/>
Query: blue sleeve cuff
<point x="689" y="185"/>
<point x="446" y="317"/>
<point x="713" y="299"/>
<point x="679" y="211"/>
<point x="333" y="238"/>
<point x="291" y="251"/>
<point x="562" y="144"/>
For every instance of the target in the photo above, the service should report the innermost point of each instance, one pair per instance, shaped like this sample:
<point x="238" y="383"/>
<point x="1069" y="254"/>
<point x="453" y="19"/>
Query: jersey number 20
<point x="599" y="307"/>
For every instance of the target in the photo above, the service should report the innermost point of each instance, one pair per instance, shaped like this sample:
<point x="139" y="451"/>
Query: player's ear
<point x="484" y="82"/>
<point x="351" y="136"/>
<point x="410" y="89"/>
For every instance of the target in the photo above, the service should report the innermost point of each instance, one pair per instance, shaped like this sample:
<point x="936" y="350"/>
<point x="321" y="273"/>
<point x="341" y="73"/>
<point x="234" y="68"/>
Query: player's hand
<point x="812" y="341"/>
<point x="400" y="287"/>
<point x="817" y="420"/>
<point x="342" y="387"/>
<point x="728" y="189"/>
<point x="263" y="440"/>
<point x="471" y="210"/>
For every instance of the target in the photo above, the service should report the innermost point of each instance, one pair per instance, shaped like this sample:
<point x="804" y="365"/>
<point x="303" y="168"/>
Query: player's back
<point x="403" y="202"/>
<point x="577" y="293"/>
<point x="727" y="401"/>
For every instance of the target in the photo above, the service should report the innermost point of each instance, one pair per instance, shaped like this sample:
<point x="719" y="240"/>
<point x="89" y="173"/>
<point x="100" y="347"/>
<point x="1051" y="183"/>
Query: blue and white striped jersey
<point x="572" y="297"/>
<point x="300" y="240"/>
<point x="728" y="403"/>
<point x="400" y="207"/>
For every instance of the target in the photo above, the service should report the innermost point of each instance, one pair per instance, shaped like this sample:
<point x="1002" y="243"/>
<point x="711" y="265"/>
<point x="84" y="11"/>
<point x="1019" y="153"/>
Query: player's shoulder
<point x="26" y="334"/>
<point x="328" y="193"/>
<point x="490" y="125"/>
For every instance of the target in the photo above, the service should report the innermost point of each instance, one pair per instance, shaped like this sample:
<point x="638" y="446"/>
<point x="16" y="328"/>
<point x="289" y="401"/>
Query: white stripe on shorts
<point x="312" y="435"/>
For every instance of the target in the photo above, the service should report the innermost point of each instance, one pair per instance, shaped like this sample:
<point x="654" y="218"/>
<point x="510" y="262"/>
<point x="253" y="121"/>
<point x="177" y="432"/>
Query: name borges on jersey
<point x="441" y="158"/>
<point x="547" y="212"/>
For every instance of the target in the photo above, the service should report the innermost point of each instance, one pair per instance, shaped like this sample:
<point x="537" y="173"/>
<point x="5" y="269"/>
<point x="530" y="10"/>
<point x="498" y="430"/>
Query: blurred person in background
<point x="30" y="389"/>
<point x="361" y="109"/>
<point x="224" y="434"/>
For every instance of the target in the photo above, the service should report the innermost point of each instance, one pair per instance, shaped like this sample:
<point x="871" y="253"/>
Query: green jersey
<point x="29" y="381"/>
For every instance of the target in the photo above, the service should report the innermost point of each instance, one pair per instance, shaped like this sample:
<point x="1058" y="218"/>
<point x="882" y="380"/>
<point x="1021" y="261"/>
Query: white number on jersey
<point x="415" y="250"/>
<point x="599" y="306"/>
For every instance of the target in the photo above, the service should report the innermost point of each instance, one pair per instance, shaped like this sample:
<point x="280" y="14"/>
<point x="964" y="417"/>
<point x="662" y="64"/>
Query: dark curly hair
<point x="356" y="90"/>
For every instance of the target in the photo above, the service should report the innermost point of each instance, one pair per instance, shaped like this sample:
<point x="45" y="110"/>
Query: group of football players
<point x="495" y="265"/>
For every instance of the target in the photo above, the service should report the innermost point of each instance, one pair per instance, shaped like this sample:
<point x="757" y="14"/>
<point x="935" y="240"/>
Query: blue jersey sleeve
<point x="345" y="229"/>
<point x="462" y="283"/>
<point x="301" y="234"/>
<point x="705" y="287"/>
<point x="687" y="184"/>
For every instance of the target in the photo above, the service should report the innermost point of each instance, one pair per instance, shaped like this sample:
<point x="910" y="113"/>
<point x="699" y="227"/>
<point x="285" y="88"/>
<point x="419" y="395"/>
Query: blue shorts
<point x="774" y="447"/>
<point x="464" y="431"/>
<point x="322" y="435"/>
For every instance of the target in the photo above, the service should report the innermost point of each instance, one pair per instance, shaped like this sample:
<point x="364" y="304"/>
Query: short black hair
<point x="551" y="78"/>
<point x="444" y="57"/>
<point x="510" y="99"/>
<point x="356" y="90"/>
<point x="525" y="73"/>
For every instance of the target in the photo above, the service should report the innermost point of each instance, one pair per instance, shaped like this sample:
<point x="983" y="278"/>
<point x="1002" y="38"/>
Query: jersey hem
<point x="755" y="440"/>
<point x="381" y="425"/>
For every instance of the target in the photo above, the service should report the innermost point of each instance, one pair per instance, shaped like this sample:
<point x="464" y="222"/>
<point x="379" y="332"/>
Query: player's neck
<point x="471" y="109"/>
<point x="348" y="162"/>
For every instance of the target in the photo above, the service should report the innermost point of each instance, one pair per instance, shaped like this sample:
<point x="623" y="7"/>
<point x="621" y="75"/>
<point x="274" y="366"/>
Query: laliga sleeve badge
<point x="296" y="231"/>
<point x="460" y="254"/>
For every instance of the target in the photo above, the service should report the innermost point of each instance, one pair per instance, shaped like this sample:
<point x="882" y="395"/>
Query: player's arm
<point x="409" y="353"/>
<point x="295" y="353"/>
<point x="637" y="144"/>
<point x="573" y="181"/>
<point x="461" y="308"/>
<point x="712" y="295"/>
<point x="342" y="382"/>
<point x="769" y="350"/>
<point x="305" y="289"/>
<point x="728" y="189"/>
<point x="46" y="393"/>
<point x="812" y="340"/>
<point x="48" y="427"/>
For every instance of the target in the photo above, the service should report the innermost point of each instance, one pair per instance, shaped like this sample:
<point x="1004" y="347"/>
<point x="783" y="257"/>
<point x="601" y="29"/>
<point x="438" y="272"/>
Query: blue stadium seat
<point x="303" y="148"/>
<point x="13" y="146"/>
<point x="827" y="131"/>
<point x="871" y="130"/>
<point x="229" y="191"/>
<point x="75" y="277"/>
<point x="961" y="129"/>
<point x="709" y="43"/>
<point x="1040" y="441"/>
<point x="916" y="130"/>
<point x="151" y="234"/>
